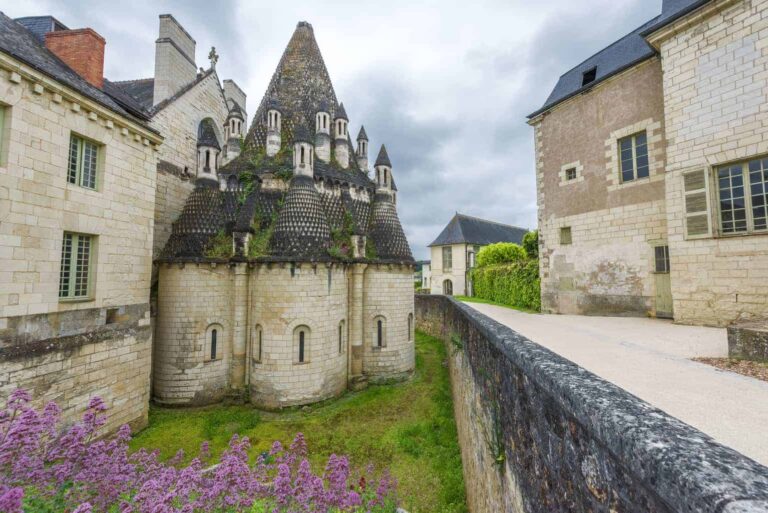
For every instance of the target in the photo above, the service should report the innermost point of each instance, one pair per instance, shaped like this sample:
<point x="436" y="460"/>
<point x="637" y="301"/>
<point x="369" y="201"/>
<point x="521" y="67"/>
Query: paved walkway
<point x="651" y="359"/>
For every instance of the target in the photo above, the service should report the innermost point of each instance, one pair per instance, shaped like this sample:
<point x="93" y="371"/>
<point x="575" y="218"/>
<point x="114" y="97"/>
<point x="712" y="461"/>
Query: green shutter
<point x="696" y="197"/>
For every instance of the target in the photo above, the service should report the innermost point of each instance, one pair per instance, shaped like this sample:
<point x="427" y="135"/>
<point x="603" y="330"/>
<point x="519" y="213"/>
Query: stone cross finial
<point x="213" y="57"/>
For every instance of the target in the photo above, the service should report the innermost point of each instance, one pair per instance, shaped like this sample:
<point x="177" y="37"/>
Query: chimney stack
<point x="82" y="50"/>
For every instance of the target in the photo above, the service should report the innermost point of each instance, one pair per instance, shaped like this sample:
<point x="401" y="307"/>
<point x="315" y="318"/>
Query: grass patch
<point x="467" y="299"/>
<point x="408" y="427"/>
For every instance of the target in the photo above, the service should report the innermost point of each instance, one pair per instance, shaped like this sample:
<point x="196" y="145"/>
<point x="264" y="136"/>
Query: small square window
<point x="565" y="235"/>
<point x="570" y="174"/>
<point x="83" y="162"/>
<point x="588" y="76"/>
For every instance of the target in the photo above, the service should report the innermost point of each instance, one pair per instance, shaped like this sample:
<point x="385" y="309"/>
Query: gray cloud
<point x="446" y="87"/>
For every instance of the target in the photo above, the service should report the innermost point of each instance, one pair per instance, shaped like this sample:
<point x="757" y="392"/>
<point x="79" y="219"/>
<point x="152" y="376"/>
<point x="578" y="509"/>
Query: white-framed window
<point x="77" y="266"/>
<point x="301" y="340"/>
<point x="447" y="258"/>
<point x="633" y="157"/>
<point x="742" y="197"/>
<point x="83" y="162"/>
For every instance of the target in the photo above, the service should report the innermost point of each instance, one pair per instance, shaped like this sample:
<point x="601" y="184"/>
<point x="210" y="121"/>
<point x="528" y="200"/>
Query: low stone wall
<point x="70" y="357"/>
<point x="540" y="434"/>
<point x="748" y="340"/>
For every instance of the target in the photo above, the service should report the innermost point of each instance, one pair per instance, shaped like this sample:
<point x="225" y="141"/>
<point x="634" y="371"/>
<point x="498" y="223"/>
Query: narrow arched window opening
<point x="214" y="337"/>
<point x="301" y="347"/>
<point x="260" y="346"/>
<point x="207" y="158"/>
<point x="379" y="333"/>
<point x="410" y="326"/>
<point x="302" y="155"/>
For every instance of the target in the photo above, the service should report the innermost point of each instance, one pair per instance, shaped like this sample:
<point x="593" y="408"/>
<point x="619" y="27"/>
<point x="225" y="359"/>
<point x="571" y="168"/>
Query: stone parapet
<point x="540" y="434"/>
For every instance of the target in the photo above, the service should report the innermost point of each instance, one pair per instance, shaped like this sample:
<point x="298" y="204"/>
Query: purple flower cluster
<point x="44" y="468"/>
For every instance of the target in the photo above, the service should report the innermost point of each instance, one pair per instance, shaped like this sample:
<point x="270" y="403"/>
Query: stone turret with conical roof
<point x="341" y="137"/>
<point x="362" y="150"/>
<point x="386" y="232"/>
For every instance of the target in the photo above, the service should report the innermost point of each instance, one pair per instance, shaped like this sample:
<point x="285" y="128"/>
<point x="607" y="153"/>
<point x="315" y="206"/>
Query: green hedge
<point x="515" y="284"/>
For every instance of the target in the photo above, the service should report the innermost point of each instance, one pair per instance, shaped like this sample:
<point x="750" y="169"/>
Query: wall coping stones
<point x="684" y="467"/>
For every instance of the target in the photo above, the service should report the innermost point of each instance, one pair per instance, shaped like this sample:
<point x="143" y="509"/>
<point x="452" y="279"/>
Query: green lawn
<point x="468" y="299"/>
<point x="407" y="427"/>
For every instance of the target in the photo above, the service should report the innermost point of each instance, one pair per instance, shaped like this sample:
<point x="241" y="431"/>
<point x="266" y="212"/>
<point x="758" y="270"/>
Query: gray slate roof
<point x="464" y="229"/>
<point x="141" y="90"/>
<point x="41" y="25"/>
<point x="24" y="45"/>
<point x="628" y="51"/>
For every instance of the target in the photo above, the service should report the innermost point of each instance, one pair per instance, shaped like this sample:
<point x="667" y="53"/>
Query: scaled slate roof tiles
<point x="464" y="229"/>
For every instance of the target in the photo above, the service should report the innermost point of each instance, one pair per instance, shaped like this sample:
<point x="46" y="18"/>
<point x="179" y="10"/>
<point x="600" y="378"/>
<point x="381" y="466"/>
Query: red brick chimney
<point x="82" y="50"/>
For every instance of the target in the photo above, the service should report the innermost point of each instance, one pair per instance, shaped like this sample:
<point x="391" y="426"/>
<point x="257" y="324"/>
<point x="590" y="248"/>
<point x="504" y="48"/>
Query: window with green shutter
<point x="76" y="266"/>
<point x="83" y="159"/>
<point x="696" y="199"/>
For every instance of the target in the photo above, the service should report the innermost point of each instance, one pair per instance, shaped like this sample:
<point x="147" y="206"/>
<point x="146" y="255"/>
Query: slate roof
<point x="304" y="217"/>
<point x="625" y="53"/>
<point x="362" y="135"/>
<point x="463" y="229"/>
<point x="25" y="45"/>
<point x="383" y="159"/>
<point x="141" y="90"/>
<point x="41" y="25"/>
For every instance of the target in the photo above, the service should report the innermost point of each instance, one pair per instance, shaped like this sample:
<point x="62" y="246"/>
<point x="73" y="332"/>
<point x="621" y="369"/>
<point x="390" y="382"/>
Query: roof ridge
<point x="489" y="221"/>
<point x="131" y="80"/>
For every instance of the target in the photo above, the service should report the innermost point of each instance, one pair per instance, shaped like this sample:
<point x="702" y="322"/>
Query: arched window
<point x="379" y="332"/>
<point x="448" y="287"/>
<point x="302" y="154"/>
<point x="301" y="343"/>
<point x="410" y="326"/>
<point x="341" y="337"/>
<point x="310" y="156"/>
<point x="213" y="335"/>
<point x="257" y="349"/>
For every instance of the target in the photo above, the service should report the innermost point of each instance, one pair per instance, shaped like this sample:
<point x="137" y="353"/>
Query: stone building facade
<point x="638" y="211"/>
<point x="454" y="251"/>
<point x="287" y="278"/>
<point x="77" y="188"/>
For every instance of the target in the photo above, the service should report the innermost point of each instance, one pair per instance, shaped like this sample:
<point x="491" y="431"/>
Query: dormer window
<point x="589" y="76"/>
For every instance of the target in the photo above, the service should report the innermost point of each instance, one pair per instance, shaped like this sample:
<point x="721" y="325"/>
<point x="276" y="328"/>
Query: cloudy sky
<point x="445" y="84"/>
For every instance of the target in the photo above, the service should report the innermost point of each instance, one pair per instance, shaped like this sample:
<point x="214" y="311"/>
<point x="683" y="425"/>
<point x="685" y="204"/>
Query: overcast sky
<point x="445" y="84"/>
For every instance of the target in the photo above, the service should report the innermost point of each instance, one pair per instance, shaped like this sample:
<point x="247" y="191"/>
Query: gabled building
<point x="455" y="249"/>
<point x="652" y="170"/>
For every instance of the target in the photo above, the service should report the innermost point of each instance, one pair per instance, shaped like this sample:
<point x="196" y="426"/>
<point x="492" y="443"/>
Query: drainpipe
<point x="355" y="342"/>
<point x="239" y="331"/>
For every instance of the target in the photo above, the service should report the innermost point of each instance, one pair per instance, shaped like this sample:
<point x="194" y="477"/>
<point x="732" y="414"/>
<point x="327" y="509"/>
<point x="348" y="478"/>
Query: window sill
<point x="739" y="234"/>
<point x="75" y="299"/>
<point x="301" y="363"/>
<point x="212" y="361"/>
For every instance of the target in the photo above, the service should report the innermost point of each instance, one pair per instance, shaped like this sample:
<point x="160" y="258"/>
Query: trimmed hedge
<point x="514" y="284"/>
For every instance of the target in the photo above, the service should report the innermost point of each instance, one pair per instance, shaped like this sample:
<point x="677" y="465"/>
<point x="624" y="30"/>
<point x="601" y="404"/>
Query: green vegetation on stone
<point x="408" y="427"/>
<point x="219" y="246"/>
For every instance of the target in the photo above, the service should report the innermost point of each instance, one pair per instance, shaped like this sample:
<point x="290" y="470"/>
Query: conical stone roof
<point x="302" y="229"/>
<point x="386" y="232"/>
<point x="383" y="158"/>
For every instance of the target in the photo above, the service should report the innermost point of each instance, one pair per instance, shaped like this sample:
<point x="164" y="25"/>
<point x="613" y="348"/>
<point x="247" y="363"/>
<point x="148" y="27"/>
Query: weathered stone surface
<point x="748" y="340"/>
<point x="540" y="434"/>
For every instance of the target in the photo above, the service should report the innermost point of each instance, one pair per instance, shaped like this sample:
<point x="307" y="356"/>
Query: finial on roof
<point x="304" y="24"/>
<point x="362" y="136"/>
<point x="341" y="113"/>
<point x="383" y="158"/>
<point x="213" y="57"/>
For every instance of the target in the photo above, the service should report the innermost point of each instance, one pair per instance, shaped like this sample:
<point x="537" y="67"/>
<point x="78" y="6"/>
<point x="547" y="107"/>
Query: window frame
<point x="449" y="252"/>
<point x="635" y="167"/>
<point x="569" y="231"/>
<point x="663" y="259"/>
<point x="73" y="270"/>
<point x="569" y="178"/>
<point x="79" y="175"/>
<point x="748" y="205"/>
<point x="4" y="110"/>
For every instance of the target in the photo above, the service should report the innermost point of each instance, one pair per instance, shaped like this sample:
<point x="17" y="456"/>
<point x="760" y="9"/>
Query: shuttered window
<point x="76" y="266"/>
<point x="695" y="191"/>
<point x="742" y="194"/>
<point x="447" y="258"/>
<point x="83" y="158"/>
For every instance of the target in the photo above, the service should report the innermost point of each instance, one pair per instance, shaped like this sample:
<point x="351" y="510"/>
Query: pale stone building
<point x="287" y="278"/>
<point x="455" y="249"/>
<point x="77" y="201"/>
<point x="656" y="205"/>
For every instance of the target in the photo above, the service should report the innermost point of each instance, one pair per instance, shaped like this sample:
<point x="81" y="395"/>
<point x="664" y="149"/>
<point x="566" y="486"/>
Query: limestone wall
<point x="457" y="272"/>
<point x="539" y="434"/>
<point x="607" y="268"/>
<point x="388" y="295"/>
<point x="715" y="92"/>
<point x="193" y="300"/>
<point x="284" y="297"/>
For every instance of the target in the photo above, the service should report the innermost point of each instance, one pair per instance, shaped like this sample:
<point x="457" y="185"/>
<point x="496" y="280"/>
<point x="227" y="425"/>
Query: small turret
<point x="341" y="137"/>
<point x="362" y="150"/>
<point x="233" y="132"/>
<point x="323" y="133"/>
<point x="208" y="149"/>
<point x="383" y="171"/>
<point x="303" y="150"/>
<point x="274" y="127"/>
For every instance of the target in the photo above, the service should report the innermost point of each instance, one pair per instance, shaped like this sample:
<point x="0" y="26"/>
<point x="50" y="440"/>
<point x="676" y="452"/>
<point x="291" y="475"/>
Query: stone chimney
<point x="174" y="59"/>
<point x="82" y="50"/>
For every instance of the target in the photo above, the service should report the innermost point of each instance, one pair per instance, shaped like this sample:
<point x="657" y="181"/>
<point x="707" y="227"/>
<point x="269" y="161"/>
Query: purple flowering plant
<point x="45" y="468"/>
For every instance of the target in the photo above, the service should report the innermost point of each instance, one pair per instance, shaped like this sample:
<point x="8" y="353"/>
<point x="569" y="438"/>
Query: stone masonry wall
<point x="457" y="273"/>
<point x="540" y="434"/>
<point x="193" y="299"/>
<point x="607" y="268"/>
<point x="388" y="294"/>
<point x="716" y="93"/>
<point x="70" y="351"/>
<point x="282" y="298"/>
